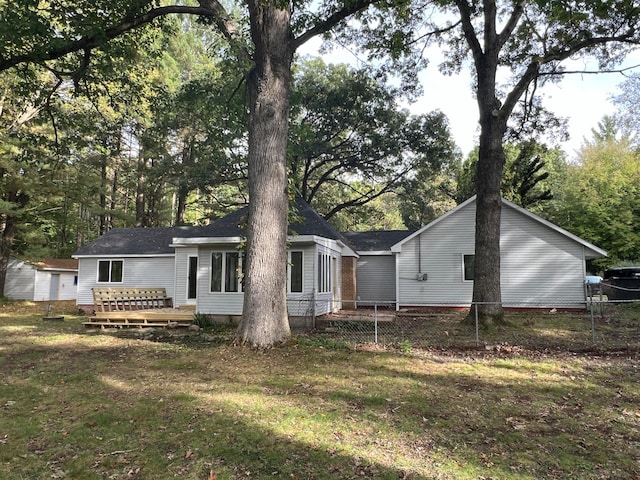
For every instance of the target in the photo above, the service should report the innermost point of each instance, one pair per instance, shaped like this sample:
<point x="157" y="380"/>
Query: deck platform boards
<point x="157" y="317"/>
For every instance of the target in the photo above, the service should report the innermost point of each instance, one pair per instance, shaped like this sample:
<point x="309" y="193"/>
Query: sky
<point x="583" y="99"/>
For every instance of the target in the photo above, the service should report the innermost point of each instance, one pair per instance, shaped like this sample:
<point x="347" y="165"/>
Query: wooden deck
<point x="156" y="317"/>
<point x="136" y="307"/>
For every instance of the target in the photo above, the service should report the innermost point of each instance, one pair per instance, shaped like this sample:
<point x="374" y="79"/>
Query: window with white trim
<point x="110" y="271"/>
<point x="468" y="267"/>
<point x="325" y="273"/>
<point x="227" y="272"/>
<point x="294" y="272"/>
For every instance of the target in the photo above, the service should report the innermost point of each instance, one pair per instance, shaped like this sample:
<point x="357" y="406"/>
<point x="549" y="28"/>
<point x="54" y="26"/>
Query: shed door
<point x="54" y="286"/>
<point x="192" y="283"/>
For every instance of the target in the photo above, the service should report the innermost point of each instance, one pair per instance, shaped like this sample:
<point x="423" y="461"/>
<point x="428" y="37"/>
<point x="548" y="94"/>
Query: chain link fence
<point x="592" y="325"/>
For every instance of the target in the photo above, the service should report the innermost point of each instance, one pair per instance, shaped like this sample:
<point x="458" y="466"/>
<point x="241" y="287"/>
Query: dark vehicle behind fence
<point x="622" y="283"/>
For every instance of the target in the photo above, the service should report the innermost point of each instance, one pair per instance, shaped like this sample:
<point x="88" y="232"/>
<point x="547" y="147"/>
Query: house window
<point x="468" y="261"/>
<point x="295" y="272"/>
<point x="227" y="270"/>
<point x="325" y="273"/>
<point x="110" y="271"/>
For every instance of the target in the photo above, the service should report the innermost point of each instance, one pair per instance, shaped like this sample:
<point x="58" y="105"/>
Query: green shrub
<point x="202" y="320"/>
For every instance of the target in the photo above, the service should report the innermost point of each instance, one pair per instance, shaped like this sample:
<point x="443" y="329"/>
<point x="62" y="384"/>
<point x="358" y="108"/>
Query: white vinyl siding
<point x="67" y="289"/>
<point x="540" y="267"/>
<point x="218" y="303"/>
<point x="26" y="282"/>
<point x="20" y="280"/>
<point x="301" y="304"/>
<point x="437" y="252"/>
<point x="138" y="272"/>
<point x="376" y="279"/>
<point x="182" y="270"/>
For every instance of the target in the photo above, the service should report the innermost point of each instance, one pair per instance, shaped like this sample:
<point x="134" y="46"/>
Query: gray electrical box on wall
<point x="421" y="277"/>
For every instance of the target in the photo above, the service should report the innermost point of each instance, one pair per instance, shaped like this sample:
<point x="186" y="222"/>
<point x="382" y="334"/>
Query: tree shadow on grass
<point x="122" y="411"/>
<point x="109" y="407"/>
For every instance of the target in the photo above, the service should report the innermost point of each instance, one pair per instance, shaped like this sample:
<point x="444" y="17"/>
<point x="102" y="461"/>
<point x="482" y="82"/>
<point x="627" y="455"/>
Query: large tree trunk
<point x="140" y="191"/>
<point x="9" y="228"/>
<point x="264" y="319"/>
<point x="487" y="296"/>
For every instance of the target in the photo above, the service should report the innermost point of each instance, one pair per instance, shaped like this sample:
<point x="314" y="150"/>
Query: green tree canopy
<point x="350" y="142"/>
<point x="528" y="181"/>
<point x="600" y="196"/>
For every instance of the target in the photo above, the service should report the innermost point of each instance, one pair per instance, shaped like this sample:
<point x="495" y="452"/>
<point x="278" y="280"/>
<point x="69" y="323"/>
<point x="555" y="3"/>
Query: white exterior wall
<point x="215" y="303"/>
<point x="376" y="278"/>
<point x="231" y="303"/>
<point x="67" y="289"/>
<point x="330" y="301"/>
<point x="182" y="271"/>
<point x="438" y="253"/>
<point x="137" y="272"/>
<point x="20" y="281"/>
<point x="540" y="267"/>
<point x="301" y="304"/>
<point x="26" y="282"/>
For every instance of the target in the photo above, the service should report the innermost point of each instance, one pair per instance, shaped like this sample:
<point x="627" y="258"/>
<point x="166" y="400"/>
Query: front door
<point x="54" y="286"/>
<point x="192" y="283"/>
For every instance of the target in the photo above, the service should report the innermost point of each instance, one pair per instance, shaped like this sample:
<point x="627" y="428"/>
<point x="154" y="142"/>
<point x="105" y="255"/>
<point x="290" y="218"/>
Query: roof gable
<point x="593" y="251"/>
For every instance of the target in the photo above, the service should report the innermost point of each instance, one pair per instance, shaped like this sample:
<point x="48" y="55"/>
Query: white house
<point x="49" y="279"/>
<point x="542" y="265"/>
<point x="202" y="266"/>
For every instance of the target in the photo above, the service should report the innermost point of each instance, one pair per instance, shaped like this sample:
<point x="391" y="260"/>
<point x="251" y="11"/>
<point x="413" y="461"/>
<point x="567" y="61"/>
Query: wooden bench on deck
<point x="136" y="307"/>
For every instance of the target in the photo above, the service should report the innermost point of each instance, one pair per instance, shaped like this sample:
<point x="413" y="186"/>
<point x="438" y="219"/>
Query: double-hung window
<point x="110" y="271"/>
<point x="227" y="271"/>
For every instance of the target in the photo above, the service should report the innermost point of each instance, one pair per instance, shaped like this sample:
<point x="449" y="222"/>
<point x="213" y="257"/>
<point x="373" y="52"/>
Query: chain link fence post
<point x="375" y="323"/>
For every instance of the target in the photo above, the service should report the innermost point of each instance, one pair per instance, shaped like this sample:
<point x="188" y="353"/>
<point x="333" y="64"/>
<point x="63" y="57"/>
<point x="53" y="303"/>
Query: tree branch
<point x="468" y="30"/>
<point x="210" y="9"/>
<point x="330" y="22"/>
<point x="511" y="24"/>
<point x="533" y="70"/>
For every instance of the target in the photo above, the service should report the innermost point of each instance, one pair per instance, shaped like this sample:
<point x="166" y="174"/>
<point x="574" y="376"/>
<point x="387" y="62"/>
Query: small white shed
<point x="47" y="280"/>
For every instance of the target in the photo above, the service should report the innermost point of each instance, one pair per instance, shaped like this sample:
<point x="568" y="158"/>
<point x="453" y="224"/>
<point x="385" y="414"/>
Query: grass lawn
<point x="77" y="403"/>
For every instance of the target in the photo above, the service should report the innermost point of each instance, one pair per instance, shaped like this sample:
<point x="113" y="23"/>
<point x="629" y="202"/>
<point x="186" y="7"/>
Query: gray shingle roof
<point x="157" y="241"/>
<point x="375" y="241"/>
<point x="137" y="241"/>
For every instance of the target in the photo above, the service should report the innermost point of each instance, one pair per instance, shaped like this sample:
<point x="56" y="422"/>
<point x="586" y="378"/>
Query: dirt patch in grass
<point x="91" y="404"/>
